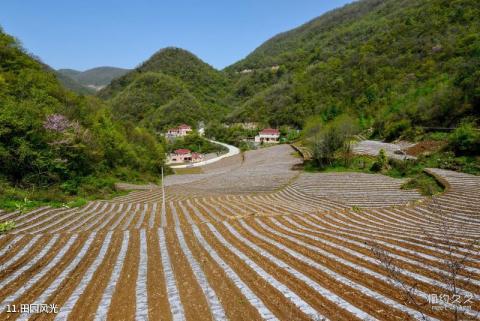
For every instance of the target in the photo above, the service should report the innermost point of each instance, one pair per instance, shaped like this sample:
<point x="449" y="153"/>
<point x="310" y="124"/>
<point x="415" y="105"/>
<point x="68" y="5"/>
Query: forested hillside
<point x="398" y="65"/>
<point x="53" y="142"/>
<point x="172" y="86"/>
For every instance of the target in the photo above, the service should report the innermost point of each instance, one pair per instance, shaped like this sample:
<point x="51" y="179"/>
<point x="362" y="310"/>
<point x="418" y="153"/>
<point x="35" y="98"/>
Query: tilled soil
<point x="251" y="240"/>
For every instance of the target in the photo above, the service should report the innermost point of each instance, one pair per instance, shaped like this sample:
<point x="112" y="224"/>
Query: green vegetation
<point x="23" y="198"/>
<point x="171" y="87"/>
<point x="465" y="140"/>
<point x="330" y="141"/>
<point x="412" y="170"/>
<point x="197" y="144"/>
<point x="361" y="164"/>
<point x="356" y="209"/>
<point x="157" y="101"/>
<point x="331" y="148"/>
<point x="426" y="184"/>
<point x="6" y="226"/>
<point x="188" y="171"/>
<point x="233" y="135"/>
<point x="400" y="66"/>
<point x="381" y="162"/>
<point x="242" y="137"/>
<point x="55" y="145"/>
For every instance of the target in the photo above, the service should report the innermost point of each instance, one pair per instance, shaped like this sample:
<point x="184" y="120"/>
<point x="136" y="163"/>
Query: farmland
<point x="247" y="239"/>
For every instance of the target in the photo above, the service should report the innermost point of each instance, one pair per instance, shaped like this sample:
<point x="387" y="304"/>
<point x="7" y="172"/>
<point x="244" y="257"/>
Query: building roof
<point x="177" y="129"/>
<point x="270" y="131"/>
<point x="181" y="151"/>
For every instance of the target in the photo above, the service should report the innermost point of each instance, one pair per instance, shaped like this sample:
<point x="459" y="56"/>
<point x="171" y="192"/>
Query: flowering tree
<point x="71" y="144"/>
<point x="56" y="123"/>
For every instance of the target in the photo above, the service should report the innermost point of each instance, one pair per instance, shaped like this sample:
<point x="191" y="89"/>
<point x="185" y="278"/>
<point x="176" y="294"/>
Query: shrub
<point x="426" y="184"/>
<point x="465" y="140"/>
<point x="356" y="209"/>
<point x="327" y="140"/>
<point x="23" y="205"/>
<point x="396" y="129"/>
<point x="6" y="226"/>
<point x="381" y="162"/>
<point x="196" y="143"/>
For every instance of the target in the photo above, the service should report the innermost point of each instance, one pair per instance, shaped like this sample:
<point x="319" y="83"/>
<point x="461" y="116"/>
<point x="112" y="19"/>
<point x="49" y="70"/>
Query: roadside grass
<point x="296" y="154"/>
<point x="185" y="171"/>
<point x="358" y="164"/>
<point x="36" y="199"/>
<point x="69" y="194"/>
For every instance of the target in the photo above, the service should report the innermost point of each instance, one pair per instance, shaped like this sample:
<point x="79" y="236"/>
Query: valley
<point x="333" y="173"/>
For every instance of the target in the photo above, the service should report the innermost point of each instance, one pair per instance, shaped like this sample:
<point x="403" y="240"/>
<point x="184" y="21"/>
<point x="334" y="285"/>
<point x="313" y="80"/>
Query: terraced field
<point x="372" y="148"/>
<point x="282" y="246"/>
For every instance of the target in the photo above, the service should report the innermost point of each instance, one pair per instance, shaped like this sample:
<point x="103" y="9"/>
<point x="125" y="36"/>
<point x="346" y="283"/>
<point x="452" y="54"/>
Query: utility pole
<point x="163" y="199"/>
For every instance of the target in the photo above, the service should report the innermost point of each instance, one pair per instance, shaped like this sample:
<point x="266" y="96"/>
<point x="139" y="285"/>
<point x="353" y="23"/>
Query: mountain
<point x="71" y="73"/>
<point x="171" y="87"/>
<point x="397" y="65"/>
<point x="90" y="80"/>
<point x="72" y="84"/>
<point x="55" y="141"/>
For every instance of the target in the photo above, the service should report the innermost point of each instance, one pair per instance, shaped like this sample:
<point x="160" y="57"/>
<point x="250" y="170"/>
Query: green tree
<point x="326" y="141"/>
<point x="465" y="140"/>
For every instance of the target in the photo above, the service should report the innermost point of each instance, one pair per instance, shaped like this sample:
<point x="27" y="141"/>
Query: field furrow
<point x="255" y="242"/>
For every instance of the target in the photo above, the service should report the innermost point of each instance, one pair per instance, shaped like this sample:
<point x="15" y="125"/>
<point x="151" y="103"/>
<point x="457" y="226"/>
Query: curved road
<point x="232" y="150"/>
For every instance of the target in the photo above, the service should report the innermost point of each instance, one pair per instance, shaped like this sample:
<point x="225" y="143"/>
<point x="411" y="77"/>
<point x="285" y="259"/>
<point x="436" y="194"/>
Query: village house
<point x="268" y="136"/>
<point x="180" y="131"/>
<point x="184" y="156"/>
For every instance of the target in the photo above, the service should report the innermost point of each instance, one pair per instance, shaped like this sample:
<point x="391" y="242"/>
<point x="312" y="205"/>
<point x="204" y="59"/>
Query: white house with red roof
<point x="184" y="155"/>
<point x="180" y="131"/>
<point x="268" y="136"/>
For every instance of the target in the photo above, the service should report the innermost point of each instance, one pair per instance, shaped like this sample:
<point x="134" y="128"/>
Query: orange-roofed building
<point x="184" y="155"/>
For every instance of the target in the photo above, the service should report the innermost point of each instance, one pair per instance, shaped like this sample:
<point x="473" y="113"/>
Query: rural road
<point x="232" y="150"/>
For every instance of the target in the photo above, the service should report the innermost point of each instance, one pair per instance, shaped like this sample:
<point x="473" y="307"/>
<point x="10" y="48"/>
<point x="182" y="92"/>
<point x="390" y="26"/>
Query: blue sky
<point x="82" y="34"/>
